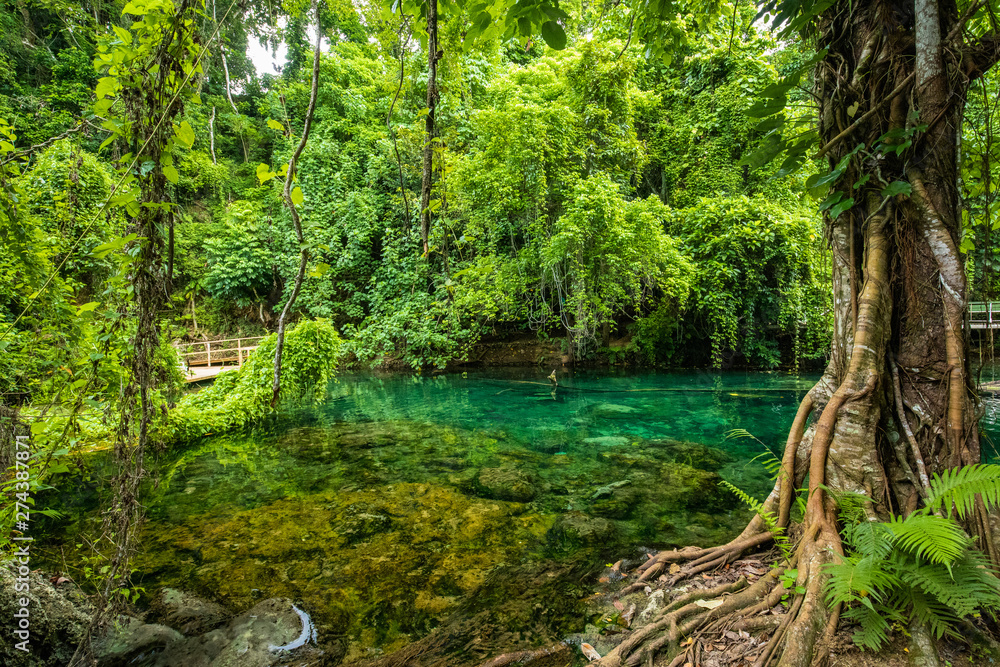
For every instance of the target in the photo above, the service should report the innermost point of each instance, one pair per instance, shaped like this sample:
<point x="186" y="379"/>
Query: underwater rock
<point x="689" y="453"/>
<point x="361" y="522"/>
<point x="58" y="617"/>
<point x="249" y="640"/>
<point x="607" y="441"/>
<point x="693" y="488"/>
<point x="617" y="502"/>
<point x="507" y="484"/>
<point x="130" y="639"/>
<point x="612" y="411"/>
<point x="608" y="489"/>
<point x="187" y="613"/>
<point x="575" y="529"/>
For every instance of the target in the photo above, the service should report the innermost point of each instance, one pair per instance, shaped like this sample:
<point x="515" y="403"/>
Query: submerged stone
<point x="608" y="441"/>
<point x="689" y="453"/>
<point x="187" y="613"/>
<point x="507" y="483"/>
<point x="612" y="411"/>
<point x="575" y="529"/>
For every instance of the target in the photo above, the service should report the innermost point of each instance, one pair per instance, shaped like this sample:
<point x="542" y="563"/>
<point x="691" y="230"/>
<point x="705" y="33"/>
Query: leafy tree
<point x="890" y="81"/>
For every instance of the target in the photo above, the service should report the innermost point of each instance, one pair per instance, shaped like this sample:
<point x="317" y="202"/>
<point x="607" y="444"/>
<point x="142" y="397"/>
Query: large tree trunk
<point x="896" y="403"/>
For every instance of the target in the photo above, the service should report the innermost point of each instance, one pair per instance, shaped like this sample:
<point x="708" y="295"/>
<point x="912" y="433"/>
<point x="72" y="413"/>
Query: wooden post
<point x="208" y="348"/>
<point x="239" y="351"/>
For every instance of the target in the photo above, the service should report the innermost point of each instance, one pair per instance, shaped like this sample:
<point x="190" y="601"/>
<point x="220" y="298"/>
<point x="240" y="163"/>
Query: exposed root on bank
<point x="801" y="637"/>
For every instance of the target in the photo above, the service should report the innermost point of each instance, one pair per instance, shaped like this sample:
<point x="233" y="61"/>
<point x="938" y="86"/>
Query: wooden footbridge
<point x="984" y="315"/>
<point x="206" y="359"/>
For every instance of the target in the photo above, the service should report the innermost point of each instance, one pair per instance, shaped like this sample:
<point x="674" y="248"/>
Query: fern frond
<point x="938" y="617"/>
<point x="870" y="538"/>
<point x="850" y="504"/>
<point x="744" y="497"/>
<point x="769" y="518"/>
<point x="965" y="588"/>
<point x="959" y="487"/>
<point x="930" y="537"/>
<point x="770" y="462"/>
<point x="874" y="622"/>
<point x="856" y="578"/>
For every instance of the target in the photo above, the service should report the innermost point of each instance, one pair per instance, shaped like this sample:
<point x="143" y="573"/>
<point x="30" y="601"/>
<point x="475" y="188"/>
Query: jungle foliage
<point x="587" y="195"/>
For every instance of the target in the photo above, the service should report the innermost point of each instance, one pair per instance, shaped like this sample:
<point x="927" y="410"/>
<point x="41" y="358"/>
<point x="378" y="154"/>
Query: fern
<point x="930" y="537"/>
<point x="770" y="520"/>
<point x="923" y="567"/>
<point x="960" y="486"/>
<point x="875" y="625"/>
<point x="770" y="461"/>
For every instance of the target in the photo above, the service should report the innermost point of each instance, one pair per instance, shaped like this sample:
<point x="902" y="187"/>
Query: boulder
<point x="574" y="529"/>
<point x="58" y="619"/>
<point x="129" y="640"/>
<point x="613" y="411"/>
<point x="507" y="483"/>
<point x="187" y="613"/>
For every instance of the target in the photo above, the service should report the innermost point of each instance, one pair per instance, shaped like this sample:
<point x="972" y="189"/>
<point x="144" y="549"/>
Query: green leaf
<point x="106" y="85"/>
<point x="171" y="174"/>
<point x="122" y="33"/>
<point x="275" y="125"/>
<point x="554" y="35"/>
<point x="87" y="307"/>
<point x="555" y="13"/>
<point x="767" y="106"/>
<point x="185" y="133"/>
<point x="264" y="173"/>
<point x="841" y="207"/>
<point x="320" y="270"/>
<point x="897" y="188"/>
<point x="297" y="197"/>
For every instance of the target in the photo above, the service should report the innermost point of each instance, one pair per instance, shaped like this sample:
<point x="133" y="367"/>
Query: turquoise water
<point x="690" y="405"/>
<point x="406" y="505"/>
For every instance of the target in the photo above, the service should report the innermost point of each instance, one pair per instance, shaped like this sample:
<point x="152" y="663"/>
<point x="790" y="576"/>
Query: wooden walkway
<point x="984" y="315"/>
<point x="204" y="360"/>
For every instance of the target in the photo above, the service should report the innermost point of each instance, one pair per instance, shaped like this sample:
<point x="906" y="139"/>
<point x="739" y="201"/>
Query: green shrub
<point x="243" y="396"/>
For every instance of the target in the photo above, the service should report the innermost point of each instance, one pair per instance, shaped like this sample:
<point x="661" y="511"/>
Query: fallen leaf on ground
<point x="589" y="652"/>
<point x="627" y="615"/>
<point x="708" y="604"/>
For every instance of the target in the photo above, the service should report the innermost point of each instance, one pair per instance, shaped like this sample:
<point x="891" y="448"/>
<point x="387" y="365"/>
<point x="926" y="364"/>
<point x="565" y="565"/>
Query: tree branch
<point x="287" y="196"/>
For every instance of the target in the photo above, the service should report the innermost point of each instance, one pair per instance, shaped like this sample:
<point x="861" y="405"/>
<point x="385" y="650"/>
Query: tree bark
<point x="891" y="88"/>
<point x="432" y="97"/>
<point x="899" y="284"/>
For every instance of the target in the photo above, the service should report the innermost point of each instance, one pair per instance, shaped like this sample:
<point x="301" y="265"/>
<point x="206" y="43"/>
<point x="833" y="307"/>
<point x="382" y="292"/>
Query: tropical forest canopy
<point x="595" y="195"/>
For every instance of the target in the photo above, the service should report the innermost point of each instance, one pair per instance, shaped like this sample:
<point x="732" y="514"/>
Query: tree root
<point x="525" y="657"/>
<point x="700" y="560"/>
<point x="796" y="637"/>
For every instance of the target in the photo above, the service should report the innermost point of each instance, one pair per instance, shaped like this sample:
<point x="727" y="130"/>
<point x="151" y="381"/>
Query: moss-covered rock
<point x="507" y="483"/>
<point x="58" y="619"/>
<point x="576" y="529"/>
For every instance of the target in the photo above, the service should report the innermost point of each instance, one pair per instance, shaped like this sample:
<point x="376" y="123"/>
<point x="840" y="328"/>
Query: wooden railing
<point x="984" y="315"/>
<point x="218" y="352"/>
